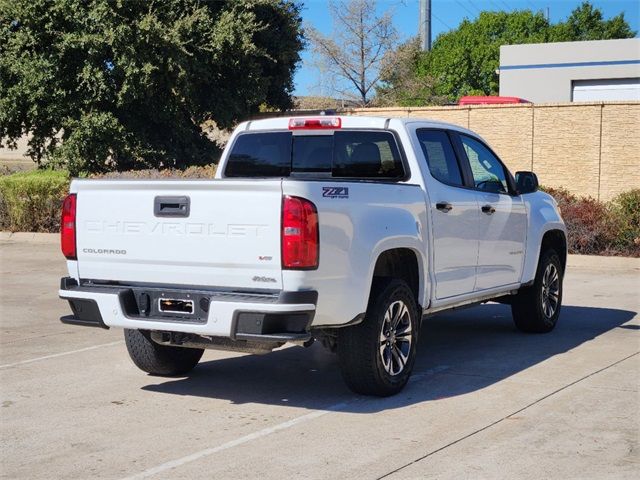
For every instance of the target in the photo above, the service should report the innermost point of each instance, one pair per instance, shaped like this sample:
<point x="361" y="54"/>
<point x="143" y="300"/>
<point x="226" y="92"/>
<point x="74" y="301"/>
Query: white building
<point x="571" y="71"/>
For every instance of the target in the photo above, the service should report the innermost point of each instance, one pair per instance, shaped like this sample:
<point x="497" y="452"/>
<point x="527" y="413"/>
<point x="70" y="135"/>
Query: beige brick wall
<point x="566" y="147"/>
<point x="508" y="131"/>
<point x="588" y="148"/>
<point x="620" y="160"/>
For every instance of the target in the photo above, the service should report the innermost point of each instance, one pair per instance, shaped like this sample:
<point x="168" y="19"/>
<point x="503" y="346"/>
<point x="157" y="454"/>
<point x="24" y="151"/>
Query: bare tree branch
<point x="356" y="47"/>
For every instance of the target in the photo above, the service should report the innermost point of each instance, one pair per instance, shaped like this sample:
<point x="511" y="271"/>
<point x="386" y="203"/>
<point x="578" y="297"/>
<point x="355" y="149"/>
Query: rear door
<point x="219" y="233"/>
<point x="503" y="217"/>
<point x="454" y="214"/>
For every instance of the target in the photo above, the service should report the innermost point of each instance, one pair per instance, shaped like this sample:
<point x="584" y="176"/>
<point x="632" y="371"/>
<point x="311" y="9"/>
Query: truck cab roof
<point x="351" y="121"/>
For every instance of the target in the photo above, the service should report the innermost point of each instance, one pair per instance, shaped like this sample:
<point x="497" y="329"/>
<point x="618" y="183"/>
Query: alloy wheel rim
<point x="396" y="337"/>
<point x="550" y="291"/>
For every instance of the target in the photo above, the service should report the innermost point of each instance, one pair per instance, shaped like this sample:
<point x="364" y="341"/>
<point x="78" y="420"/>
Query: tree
<point x="404" y="80"/>
<point x="102" y="85"/>
<point x="464" y="61"/>
<point x="351" y="55"/>
<point x="586" y="23"/>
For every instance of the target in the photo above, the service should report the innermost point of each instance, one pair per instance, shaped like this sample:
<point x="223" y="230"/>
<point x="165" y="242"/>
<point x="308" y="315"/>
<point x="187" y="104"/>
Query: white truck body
<point x="230" y="243"/>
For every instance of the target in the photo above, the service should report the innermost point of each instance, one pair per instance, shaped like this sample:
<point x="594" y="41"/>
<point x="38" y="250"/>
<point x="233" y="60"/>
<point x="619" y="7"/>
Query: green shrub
<point x="31" y="201"/>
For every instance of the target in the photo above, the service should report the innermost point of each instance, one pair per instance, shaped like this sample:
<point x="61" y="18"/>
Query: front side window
<point x="342" y="154"/>
<point x="488" y="172"/>
<point x="440" y="157"/>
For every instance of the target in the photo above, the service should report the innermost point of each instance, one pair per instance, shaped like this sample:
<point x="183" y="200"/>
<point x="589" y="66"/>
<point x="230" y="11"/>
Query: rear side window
<point x="366" y="155"/>
<point x="342" y="154"/>
<point x="260" y="155"/>
<point x="441" y="158"/>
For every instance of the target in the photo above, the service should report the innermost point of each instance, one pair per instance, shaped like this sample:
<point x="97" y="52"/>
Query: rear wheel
<point x="377" y="355"/>
<point x="536" y="308"/>
<point x="159" y="359"/>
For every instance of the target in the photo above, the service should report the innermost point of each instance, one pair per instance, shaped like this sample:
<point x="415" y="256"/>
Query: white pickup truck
<point x="346" y="230"/>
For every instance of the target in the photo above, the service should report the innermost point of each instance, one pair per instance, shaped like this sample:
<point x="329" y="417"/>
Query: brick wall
<point x="588" y="148"/>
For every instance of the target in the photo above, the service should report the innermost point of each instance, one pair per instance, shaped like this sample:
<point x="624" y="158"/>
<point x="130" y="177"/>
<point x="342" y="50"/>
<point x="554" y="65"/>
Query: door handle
<point x="444" y="206"/>
<point x="171" y="206"/>
<point x="488" y="209"/>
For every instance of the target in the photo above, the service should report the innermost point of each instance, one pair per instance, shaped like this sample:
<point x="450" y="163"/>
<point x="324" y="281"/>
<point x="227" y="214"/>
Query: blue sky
<point x="447" y="14"/>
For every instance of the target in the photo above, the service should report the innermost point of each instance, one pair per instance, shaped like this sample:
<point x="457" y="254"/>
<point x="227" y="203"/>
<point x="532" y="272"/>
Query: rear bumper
<point x="269" y="317"/>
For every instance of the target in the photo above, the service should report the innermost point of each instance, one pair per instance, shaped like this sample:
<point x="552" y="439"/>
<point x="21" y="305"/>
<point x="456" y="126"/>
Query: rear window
<point x="260" y="155"/>
<point x="342" y="154"/>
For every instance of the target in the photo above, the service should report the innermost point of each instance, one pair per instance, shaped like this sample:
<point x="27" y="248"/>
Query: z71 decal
<point x="335" y="192"/>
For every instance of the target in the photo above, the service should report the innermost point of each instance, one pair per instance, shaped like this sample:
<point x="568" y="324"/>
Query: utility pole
<point x="425" y="25"/>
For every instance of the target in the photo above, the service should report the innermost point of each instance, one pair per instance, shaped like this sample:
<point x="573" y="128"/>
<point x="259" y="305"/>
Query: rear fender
<point x="370" y="218"/>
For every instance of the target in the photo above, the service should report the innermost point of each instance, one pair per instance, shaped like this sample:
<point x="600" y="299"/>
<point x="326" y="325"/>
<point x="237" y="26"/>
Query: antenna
<point x="425" y="25"/>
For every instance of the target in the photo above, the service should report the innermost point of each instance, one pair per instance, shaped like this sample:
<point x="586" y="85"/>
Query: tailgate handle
<point x="171" y="206"/>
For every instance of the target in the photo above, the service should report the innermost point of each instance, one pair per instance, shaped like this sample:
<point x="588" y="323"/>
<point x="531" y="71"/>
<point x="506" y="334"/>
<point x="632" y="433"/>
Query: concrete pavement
<point x="485" y="401"/>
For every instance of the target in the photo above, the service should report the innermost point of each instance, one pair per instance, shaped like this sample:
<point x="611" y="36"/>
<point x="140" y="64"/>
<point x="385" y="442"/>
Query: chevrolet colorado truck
<point x="346" y="230"/>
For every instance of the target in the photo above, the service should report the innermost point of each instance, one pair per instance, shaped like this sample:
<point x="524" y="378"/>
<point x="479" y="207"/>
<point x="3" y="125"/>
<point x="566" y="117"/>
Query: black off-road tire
<point x="361" y="361"/>
<point x="527" y="306"/>
<point x="158" y="359"/>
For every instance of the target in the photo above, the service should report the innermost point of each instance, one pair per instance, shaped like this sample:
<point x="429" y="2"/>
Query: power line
<point x="469" y="11"/>
<point x="533" y="7"/>
<point x="441" y="21"/>
<point x="506" y="5"/>
<point x="474" y="6"/>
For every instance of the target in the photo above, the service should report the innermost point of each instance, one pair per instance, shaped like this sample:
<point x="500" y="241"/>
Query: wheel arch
<point x="553" y="236"/>
<point x="557" y="240"/>
<point x="402" y="263"/>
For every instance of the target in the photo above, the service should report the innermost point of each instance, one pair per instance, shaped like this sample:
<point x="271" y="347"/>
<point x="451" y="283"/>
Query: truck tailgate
<point x="140" y="231"/>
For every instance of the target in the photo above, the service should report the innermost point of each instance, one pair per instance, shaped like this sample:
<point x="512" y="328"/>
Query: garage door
<point x="610" y="89"/>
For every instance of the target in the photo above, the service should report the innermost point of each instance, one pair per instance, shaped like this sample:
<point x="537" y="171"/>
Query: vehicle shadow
<point x="480" y="345"/>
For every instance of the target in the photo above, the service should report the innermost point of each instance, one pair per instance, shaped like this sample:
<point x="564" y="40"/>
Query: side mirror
<point x="526" y="182"/>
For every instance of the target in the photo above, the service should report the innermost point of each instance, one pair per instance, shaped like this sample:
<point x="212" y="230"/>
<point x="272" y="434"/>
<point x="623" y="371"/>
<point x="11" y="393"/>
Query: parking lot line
<point x="62" y="354"/>
<point x="492" y="424"/>
<point x="238" y="441"/>
<point x="264" y="432"/>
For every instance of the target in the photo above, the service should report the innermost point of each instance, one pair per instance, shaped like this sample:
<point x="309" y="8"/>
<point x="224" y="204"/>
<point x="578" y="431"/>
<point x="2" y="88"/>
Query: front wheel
<point x="158" y="359"/>
<point x="377" y="356"/>
<point x="536" y="309"/>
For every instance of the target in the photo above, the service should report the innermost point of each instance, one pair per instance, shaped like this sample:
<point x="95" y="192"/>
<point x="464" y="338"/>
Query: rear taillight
<point x="68" y="227"/>
<point x="300" y="239"/>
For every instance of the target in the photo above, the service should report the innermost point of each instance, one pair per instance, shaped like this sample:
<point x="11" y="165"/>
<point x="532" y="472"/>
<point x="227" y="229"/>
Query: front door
<point x="503" y="218"/>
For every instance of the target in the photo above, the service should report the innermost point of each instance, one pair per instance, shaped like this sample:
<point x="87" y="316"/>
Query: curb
<point x="30" y="237"/>
<point x="601" y="262"/>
